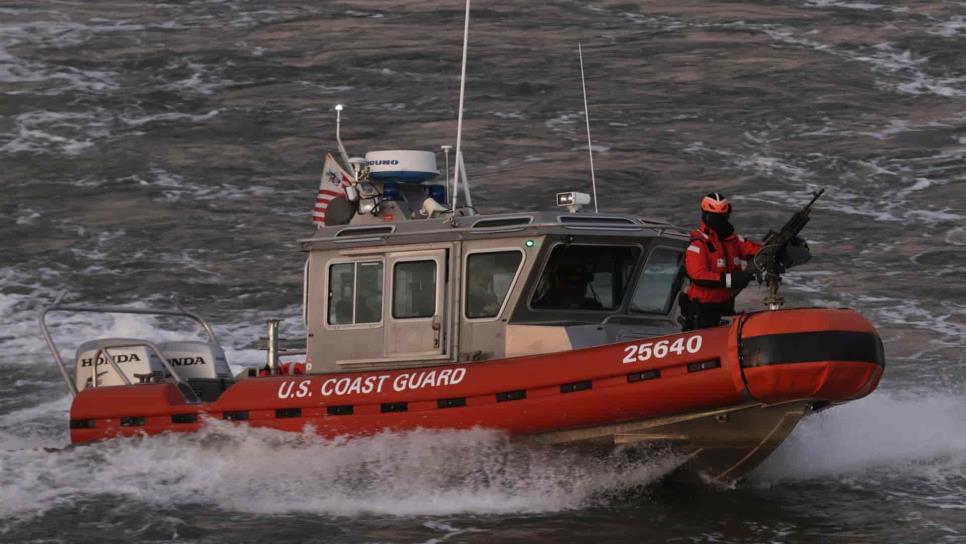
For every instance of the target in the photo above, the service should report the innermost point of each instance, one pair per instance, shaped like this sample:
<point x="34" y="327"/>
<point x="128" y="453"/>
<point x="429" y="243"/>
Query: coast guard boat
<point x="558" y="327"/>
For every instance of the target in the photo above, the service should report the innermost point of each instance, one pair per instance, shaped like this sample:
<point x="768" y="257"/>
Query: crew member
<point x="714" y="263"/>
<point x="481" y="301"/>
<point x="566" y="289"/>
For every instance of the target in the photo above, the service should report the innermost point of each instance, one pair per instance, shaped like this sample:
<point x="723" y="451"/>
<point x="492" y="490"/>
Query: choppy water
<point x="154" y="149"/>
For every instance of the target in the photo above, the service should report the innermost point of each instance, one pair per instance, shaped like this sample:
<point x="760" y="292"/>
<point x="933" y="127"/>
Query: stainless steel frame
<point x="183" y="386"/>
<point x="58" y="306"/>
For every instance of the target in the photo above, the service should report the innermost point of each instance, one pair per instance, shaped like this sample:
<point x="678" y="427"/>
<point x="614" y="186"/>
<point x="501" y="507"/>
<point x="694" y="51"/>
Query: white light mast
<point x="590" y="147"/>
<point x="459" y="118"/>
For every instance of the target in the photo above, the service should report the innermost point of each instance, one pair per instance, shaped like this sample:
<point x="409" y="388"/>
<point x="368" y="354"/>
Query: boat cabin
<point x="475" y="287"/>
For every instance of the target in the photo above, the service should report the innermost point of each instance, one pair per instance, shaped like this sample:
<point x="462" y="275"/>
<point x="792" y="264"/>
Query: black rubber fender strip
<point x="809" y="347"/>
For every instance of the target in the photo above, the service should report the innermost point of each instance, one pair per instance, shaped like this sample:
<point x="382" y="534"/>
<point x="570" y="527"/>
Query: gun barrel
<point x="814" y="198"/>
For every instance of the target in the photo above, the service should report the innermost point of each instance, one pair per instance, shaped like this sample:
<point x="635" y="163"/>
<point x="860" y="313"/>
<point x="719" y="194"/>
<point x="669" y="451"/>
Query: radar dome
<point x="401" y="165"/>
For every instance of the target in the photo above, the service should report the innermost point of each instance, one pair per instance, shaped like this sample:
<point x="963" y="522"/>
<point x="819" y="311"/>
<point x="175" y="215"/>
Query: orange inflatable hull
<point x="821" y="355"/>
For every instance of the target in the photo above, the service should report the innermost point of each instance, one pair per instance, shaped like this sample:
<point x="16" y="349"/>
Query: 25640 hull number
<point x="661" y="349"/>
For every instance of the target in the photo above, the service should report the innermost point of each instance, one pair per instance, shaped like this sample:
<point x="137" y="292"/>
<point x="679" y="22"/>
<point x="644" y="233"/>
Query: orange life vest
<point x="710" y="261"/>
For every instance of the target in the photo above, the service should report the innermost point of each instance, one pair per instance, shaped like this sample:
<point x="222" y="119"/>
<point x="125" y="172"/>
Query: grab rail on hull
<point x="58" y="306"/>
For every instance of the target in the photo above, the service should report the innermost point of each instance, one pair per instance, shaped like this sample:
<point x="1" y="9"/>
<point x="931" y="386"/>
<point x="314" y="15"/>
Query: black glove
<point x="741" y="279"/>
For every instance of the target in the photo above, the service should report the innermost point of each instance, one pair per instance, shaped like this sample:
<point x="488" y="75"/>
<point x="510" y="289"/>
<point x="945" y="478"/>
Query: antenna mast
<point x="459" y="119"/>
<point x="338" y="139"/>
<point x="590" y="148"/>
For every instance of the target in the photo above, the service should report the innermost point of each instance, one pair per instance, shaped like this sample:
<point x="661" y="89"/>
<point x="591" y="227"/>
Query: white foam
<point x="863" y="6"/>
<point x="56" y="132"/>
<point x="167" y="116"/>
<point x="564" y="122"/>
<point x="327" y="88"/>
<point x="58" y="34"/>
<point x="896" y="126"/>
<point x="771" y="166"/>
<point x="204" y="79"/>
<point x="956" y="236"/>
<point x="255" y="17"/>
<point x="262" y="471"/>
<point x="913" y="433"/>
<point x="661" y="22"/>
<point x="917" y="185"/>
<point x="596" y="148"/>
<point x="356" y="13"/>
<point x="940" y="320"/>
<point x="851" y="202"/>
<point x="39" y="426"/>
<point x="904" y="68"/>
<point x="703" y="148"/>
<point x="175" y="187"/>
<point x="905" y="65"/>
<point x="951" y="28"/>
<point x="27" y="216"/>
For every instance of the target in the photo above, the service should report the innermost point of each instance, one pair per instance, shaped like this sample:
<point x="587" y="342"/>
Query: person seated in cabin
<point x="714" y="264"/>
<point x="567" y="288"/>
<point x="481" y="301"/>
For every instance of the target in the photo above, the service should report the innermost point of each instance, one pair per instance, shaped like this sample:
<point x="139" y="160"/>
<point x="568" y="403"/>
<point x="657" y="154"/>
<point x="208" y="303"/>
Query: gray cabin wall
<point x="326" y="344"/>
<point x="391" y="342"/>
<point x="342" y="348"/>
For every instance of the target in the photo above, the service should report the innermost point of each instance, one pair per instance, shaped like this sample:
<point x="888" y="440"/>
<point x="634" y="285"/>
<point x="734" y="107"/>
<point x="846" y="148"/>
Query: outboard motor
<point x="195" y="359"/>
<point x="132" y="357"/>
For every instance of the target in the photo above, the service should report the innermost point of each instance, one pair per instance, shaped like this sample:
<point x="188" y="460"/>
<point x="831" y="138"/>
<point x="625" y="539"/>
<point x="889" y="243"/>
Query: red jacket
<point x="710" y="261"/>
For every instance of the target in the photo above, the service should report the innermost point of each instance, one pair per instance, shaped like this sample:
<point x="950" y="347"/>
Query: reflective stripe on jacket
<point x="709" y="262"/>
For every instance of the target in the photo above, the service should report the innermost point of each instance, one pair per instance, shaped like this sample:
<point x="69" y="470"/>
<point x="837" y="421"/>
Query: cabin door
<point x="416" y="310"/>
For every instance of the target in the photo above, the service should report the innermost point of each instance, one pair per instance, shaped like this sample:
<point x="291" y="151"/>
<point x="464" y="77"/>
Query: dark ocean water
<point x="152" y="149"/>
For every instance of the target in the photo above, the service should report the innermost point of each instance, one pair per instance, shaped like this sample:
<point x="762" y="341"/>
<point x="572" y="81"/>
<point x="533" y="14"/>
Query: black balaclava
<point x="718" y="222"/>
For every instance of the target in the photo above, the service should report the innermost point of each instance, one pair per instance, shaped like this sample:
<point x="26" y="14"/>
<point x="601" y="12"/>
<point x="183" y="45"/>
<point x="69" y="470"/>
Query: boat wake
<point x="270" y="472"/>
<point x="919" y="434"/>
<point x="440" y="473"/>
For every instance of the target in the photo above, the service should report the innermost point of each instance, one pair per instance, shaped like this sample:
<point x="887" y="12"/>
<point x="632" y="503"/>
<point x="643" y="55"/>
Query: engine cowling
<point x="132" y="356"/>
<point x="196" y="359"/>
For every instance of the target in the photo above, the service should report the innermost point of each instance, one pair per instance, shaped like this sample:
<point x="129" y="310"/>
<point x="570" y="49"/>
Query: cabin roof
<point x="491" y="226"/>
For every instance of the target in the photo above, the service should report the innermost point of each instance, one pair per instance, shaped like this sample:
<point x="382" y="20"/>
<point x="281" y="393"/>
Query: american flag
<point x="334" y="179"/>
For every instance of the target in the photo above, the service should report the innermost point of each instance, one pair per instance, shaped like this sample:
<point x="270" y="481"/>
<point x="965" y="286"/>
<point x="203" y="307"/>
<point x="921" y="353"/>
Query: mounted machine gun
<point x="782" y="250"/>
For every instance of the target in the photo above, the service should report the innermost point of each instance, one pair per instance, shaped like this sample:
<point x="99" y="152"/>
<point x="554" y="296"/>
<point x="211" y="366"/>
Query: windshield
<point x="656" y="286"/>
<point x="585" y="277"/>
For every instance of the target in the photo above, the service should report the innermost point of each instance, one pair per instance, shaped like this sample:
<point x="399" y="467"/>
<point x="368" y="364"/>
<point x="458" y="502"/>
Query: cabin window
<point x="488" y="280"/>
<point x="585" y="277"/>
<point x="656" y="286"/>
<point x="414" y="289"/>
<point x="355" y="293"/>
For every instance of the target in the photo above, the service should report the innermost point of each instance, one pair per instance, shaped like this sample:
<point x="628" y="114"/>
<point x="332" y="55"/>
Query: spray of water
<point x="265" y="471"/>
<point x="237" y="468"/>
<point x="920" y="433"/>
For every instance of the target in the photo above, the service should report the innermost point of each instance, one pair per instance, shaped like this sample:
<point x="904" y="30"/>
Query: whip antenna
<point x="459" y="118"/>
<point x="338" y="138"/>
<point x="590" y="148"/>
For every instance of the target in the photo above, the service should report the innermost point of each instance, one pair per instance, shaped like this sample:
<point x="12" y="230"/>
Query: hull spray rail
<point x="58" y="306"/>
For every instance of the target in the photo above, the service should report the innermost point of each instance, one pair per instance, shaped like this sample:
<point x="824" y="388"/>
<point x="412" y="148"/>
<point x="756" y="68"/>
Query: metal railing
<point x="58" y="306"/>
<point x="182" y="386"/>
